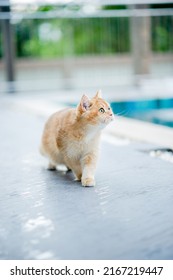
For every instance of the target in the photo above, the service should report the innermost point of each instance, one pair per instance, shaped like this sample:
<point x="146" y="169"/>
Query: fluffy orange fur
<point x="71" y="137"/>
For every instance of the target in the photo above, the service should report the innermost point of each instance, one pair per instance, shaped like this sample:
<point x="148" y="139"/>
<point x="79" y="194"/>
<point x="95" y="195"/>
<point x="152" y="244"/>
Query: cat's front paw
<point x="88" y="182"/>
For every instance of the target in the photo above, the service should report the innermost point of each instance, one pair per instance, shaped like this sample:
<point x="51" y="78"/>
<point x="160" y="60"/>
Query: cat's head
<point x="95" y="111"/>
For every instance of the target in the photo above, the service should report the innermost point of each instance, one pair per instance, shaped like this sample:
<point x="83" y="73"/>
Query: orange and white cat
<point x="71" y="137"/>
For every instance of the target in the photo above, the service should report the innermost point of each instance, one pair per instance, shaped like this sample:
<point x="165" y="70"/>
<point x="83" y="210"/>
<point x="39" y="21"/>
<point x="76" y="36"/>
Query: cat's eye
<point x="101" y="110"/>
<point x="109" y="108"/>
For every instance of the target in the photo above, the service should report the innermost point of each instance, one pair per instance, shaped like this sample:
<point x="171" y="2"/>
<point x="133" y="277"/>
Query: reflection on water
<point x="159" y="111"/>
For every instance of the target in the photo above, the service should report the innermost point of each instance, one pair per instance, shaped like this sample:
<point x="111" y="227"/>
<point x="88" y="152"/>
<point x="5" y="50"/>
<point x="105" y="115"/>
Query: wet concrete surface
<point x="46" y="215"/>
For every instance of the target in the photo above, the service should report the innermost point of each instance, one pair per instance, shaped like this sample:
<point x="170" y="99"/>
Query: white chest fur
<point x="78" y="148"/>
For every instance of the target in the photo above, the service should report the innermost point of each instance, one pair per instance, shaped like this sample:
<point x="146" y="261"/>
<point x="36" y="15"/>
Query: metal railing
<point x="84" y="46"/>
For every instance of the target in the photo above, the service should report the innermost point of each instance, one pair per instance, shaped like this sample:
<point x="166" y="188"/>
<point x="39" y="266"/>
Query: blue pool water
<point x="159" y="111"/>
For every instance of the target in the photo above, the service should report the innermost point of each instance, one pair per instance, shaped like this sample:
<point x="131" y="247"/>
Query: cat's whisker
<point x="123" y="113"/>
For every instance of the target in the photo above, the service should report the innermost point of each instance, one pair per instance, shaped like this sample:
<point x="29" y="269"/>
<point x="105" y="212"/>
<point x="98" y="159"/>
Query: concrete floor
<point x="46" y="215"/>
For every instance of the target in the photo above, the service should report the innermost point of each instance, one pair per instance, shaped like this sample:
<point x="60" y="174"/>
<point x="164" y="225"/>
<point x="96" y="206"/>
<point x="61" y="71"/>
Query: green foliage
<point x="114" y="7"/>
<point x="45" y="8"/>
<point x="23" y="33"/>
<point x="97" y="36"/>
<point x="79" y="37"/>
<point x="162" y="39"/>
<point x="161" y="35"/>
<point x="36" y="48"/>
<point x="84" y="36"/>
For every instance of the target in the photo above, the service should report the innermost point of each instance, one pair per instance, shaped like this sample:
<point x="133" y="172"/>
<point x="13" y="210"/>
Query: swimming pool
<point x="158" y="111"/>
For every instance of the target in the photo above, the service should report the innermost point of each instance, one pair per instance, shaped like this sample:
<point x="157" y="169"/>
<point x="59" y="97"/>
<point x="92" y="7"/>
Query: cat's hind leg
<point x="53" y="157"/>
<point x="77" y="171"/>
<point x="78" y="175"/>
<point x="68" y="169"/>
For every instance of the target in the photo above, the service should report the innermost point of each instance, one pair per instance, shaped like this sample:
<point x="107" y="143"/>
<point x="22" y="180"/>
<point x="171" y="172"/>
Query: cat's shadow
<point x="63" y="177"/>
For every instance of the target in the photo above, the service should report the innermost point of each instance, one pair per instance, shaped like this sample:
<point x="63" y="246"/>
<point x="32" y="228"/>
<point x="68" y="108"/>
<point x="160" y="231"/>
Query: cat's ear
<point x="98" y="94"/>
<point x="84" y="103"/>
